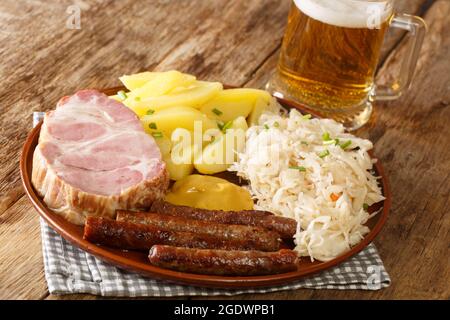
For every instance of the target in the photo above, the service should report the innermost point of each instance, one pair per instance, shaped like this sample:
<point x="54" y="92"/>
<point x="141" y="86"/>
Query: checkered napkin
<point x="71" y="270"/>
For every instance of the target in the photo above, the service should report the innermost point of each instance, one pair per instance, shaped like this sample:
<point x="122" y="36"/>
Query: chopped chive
<point x="299" y="168"/>
<point x="328" y="142"/>
<point x="324" y="153"/>
<point x="305" y="143"/>
<point x="220" y="125"/>
<point x="227" y="125"/>
<point x="306" y="117"/>
<point x="152" y="125"/>
<point x="266" y="127"/>
<point x="326" y="136"/>
<point x="150" y="112"/>
<point x="157" y="134"/>
<point x="365" y="206"/>
<point x="336" y="141"/>
<point x="276" y="124"/>
<point x="137" y="98"/>
<point x="217" y="112"/>
<point x="346" y="144"/>
<point x="122" y="95"/>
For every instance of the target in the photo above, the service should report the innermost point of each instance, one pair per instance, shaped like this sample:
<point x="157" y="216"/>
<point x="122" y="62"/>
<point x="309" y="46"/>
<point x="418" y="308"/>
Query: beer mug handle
<point x="416" y="29"/>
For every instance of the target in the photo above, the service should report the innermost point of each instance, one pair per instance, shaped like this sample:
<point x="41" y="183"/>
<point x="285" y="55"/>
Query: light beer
<point x="329" y="55"/>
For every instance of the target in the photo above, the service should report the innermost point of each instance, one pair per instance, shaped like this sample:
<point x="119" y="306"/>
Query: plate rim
<point x="211" y="281"/>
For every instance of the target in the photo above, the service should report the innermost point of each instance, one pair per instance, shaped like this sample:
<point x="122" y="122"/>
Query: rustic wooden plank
<point x="407" y="134"/>
<point x="394" y="36"/>
<point x="92" y="297"/>
<point x="21" y="266"/>
<point x="225" y="45"/>
<point x="225" y="41"/>
<point x="416" y="236"/>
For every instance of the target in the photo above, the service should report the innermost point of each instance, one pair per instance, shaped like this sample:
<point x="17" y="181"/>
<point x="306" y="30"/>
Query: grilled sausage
<point x="222" y="262"/>
<point x="132" y="236"/>
<point x="252" y="237"/>
<point x="285" y="227"/>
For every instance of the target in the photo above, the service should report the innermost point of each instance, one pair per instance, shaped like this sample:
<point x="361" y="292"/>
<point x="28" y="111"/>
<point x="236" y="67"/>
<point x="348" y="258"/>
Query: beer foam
<point x="347" y="13"/>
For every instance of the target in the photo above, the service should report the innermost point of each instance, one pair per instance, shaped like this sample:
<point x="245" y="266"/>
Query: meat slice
<point x="94" y="157"/>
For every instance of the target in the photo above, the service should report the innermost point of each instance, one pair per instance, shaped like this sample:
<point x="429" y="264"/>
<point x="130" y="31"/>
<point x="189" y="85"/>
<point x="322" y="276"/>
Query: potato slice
<point x="165" y="144"/>
<point x="261" y="106"/>
<point x="116" y="97"/>
<point x="161" y="85"/>
<point x="180" y="161"/>
<point x="220" y="154"/>
<point x="232" y="103"/>
<point x="194" y="96"/>
<point x="177" y="171"/>
<point x="167" y="120"/>
<point x="137" y="80"/>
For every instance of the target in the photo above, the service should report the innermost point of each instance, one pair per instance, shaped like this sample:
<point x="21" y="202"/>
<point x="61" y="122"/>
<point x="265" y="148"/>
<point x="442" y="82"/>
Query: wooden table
<point x="235" y="42"/>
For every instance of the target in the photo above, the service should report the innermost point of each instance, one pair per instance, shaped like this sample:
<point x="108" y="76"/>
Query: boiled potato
<point x="261" y="106"/>
<point x="180" y="162"/>
<point x="169" y="119"/>
<point x="221" y="153"/>
<point x="232" y="103"/>
<point x="160" y="85"/>
<point x="134" y="81"/>
<point x="194" y="96"/>
<point x="165" y="144"/>
<point x="177" y="171"/>
<point x="116" y="97"/>
<point x="239" y="123"/>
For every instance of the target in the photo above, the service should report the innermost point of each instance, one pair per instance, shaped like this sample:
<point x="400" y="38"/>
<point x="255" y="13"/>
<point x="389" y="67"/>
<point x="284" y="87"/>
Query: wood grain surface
<point x="235" y="42"/>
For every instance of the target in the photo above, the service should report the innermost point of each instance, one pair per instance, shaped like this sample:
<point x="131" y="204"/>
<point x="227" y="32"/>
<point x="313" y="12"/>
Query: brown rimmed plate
<point x="137" y="261"/>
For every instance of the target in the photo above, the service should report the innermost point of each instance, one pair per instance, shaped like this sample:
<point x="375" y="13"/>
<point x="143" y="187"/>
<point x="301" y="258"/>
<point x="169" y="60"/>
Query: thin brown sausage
<point x="255" y="238"/>
<point x="223" y="262"/>
<point x="132" y="236"/>
<point x="285" y="227"/>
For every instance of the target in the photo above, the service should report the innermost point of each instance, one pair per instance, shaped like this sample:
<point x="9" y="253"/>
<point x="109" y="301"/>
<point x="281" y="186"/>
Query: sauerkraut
<point x="313" y="171"/>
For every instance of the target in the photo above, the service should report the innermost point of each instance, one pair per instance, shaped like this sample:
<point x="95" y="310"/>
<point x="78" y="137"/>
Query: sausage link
<point x="285" y="227"/>
<point x="132" y="236"/>
<point x="222" y="262"/>
<point x="254" y="238"/>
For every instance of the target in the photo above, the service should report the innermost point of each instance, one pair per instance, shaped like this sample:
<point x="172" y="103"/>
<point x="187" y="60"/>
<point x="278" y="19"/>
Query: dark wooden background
<point x="236" y="42"/>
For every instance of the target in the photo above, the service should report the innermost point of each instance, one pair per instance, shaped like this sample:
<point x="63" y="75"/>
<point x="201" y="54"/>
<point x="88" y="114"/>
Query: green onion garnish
<point x="157" y="134"/>
<point x="220" y="125"/>
<point x="326" y="136"/>
<point x="152" y="125"/>
<point x="324" y="153"/>
<point x="346" y="144"/>
<point x="365" y="206"/>
<point x="305" y="143"/>
<point x="299" y="168"/>
<point x="137" y="98"/>
<point x="276" y="124"/>
<point x="306" y="117"/>
<point x="328" y="142"/>
<point x="336" y="141"/>
<point x="266" y="127"/>
<point x="122" y="95"/>
<point x="227" y="125"/>
<point x="217" y="112"/>
<point x="150" y="112"/>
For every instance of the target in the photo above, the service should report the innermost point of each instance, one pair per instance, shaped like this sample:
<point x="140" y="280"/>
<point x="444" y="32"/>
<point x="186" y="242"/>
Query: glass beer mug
<point x="330" y="53"/>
